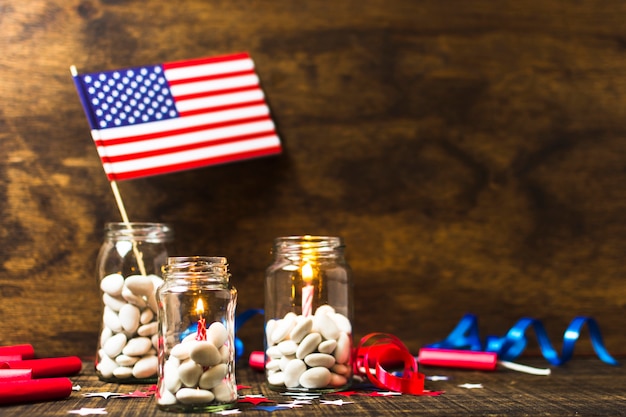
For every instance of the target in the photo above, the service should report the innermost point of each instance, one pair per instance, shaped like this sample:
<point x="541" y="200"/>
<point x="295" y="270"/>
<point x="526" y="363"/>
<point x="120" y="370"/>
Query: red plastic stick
<point x="48" y="367"/>
<point x="451" y="358"/>
<point x="14" y="374"/>
<point x="257" y="360"/>
<point x="23" y="351"/>
<point x="34" y="390"/>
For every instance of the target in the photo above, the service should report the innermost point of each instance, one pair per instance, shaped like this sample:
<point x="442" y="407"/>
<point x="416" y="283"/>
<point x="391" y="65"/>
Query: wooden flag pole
<point x="122" y="209"/>
<point x="116" y="191"/>
<point x="118" y="200"/>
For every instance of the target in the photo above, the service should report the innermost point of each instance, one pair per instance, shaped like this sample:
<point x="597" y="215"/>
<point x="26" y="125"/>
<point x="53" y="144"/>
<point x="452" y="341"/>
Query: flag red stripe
<point x="187" y="147"/>
<point x="211" y="77"/>
<point x="215" y="93"/>
<point x="208" y="60"/>
<point x="166" y="133"/>
<point x="222" y="108"/>
<point x="195" y="164"/>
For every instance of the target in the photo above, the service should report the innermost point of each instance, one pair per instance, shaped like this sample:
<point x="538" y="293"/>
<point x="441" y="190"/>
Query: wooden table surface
<point x="583" y="386"/>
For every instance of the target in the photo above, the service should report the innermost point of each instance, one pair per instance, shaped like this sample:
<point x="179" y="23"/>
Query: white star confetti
<point x="471" y="386"/>
<point x="229" y="412"/>
<point x="299" y="402"/>
<point x="438" y="378"/>
<point x="289" y="405"/>
<point x="105" y="395"/>
<point x="303" y="398"/>
<point x="335" y="402"/>
<point x="388" y="393"/>
<point x="88" y="411"/>
<point x="300" y="394"/>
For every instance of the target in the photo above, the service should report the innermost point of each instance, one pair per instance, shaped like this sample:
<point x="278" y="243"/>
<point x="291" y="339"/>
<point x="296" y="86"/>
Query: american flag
<point x="175" y="116"/>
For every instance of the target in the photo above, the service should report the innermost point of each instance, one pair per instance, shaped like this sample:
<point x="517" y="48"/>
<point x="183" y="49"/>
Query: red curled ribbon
<point x="376" y="352"/>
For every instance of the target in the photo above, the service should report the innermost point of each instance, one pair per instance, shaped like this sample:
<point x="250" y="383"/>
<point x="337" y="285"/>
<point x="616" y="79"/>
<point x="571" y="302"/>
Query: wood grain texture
<point x="583" y="387"/>
<point x="471" y="154"/>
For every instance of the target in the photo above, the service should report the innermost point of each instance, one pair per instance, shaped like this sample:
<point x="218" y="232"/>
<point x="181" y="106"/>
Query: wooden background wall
<point x="471" y="153"/>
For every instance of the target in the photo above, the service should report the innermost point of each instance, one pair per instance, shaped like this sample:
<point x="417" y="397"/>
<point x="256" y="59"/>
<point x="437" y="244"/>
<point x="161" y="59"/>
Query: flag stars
<point x="121" y="98"/>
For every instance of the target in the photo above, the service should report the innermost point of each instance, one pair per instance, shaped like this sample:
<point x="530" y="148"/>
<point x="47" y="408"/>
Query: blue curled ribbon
<point x="240" y="320"/>
<point x="466" y="336"/>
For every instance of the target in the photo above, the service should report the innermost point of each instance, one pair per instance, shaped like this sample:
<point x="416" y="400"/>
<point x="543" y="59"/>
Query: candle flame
<point x="200" y="307"/>
<point x="307" y="272"/>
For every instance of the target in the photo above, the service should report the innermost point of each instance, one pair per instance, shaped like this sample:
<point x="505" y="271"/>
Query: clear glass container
<point x="129" y="272"/>
<point x="196" y="336"/>
<point x="308" y="315"/>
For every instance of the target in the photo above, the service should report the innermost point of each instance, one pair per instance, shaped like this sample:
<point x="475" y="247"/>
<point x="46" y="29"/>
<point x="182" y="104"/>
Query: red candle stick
<point x="201" y="332"/>
<point x="307" y="290"/>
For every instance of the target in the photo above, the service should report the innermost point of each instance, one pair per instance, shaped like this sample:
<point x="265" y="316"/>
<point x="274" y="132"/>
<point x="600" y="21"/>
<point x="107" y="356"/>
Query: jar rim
<point x="196" y="266"/>
<point x="140" y="231"/>
<point x="220" y="260"/>
<point x="318" y="243"/>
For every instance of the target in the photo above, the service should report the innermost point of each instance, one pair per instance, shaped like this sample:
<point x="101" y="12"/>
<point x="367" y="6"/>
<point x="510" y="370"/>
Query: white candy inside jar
<point x="311" y="352"/>
<point x="196" y="372"/>
<point x="129" y="337"/>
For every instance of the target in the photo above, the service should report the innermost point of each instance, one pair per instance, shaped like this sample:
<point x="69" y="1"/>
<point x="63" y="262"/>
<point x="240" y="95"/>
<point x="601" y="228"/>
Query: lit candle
<point x="201" y="332"/>
<point x="307" y="290"/>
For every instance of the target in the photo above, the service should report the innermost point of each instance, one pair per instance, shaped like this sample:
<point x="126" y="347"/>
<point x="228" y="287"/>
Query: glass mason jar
<point x="196" y="336"/>
<point x="129" y="272"/>
<point x="308" y="315"/>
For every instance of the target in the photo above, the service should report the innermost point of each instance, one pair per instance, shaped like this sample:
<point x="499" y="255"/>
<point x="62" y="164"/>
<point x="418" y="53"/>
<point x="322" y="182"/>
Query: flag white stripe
<point x="191" y="156"/>
<point x="185" y="139"/>
<point x="214" y="85"/>
<point x="221" y="100"/>
<point x="170" y="124"/>
<point x="216" y="68"/>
